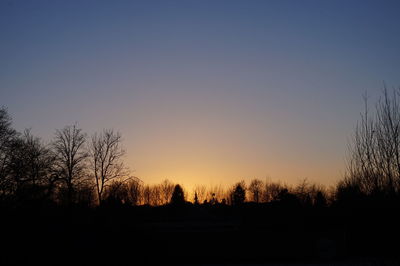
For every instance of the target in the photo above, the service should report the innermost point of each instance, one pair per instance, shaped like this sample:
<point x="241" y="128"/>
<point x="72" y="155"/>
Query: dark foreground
<point x="250" y="234"/>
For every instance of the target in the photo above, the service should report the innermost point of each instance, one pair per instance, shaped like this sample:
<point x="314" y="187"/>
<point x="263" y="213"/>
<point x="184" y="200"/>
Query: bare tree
<point x="255" y="188"/>
<point x="166" y="187"/>
<point x="31" y="168"/>
<point x="135" y="190"/>
<point x="303" y="191"/>
<point x="272" y="190"/>
<point x="69" y="147"/>
<point x="7" y="137"/>
<point x="147" y="197"/>
<point x="156" y="197"/>
<point x="374" y="163"/>
<point x="106" y="156"/>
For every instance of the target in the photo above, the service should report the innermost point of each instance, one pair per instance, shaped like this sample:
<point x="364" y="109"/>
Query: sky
<point x="203" y="92"/>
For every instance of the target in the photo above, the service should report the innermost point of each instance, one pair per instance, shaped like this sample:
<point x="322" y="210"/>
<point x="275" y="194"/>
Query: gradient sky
<point x="203" y="92"/>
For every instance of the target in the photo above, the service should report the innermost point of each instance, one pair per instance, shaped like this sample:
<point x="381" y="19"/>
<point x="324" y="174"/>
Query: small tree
<point x="166" y="189"/>
<point x="156" y="195"/>
<point x="146" y="195"/>
<point x="178" y="197"/>
<point x="135" y="190"/>
<point x="239" y="194"/>
<point x="256" y="187"/>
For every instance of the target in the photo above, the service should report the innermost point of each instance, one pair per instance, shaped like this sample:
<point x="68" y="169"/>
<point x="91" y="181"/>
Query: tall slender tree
<point x="7" y="137"/>
<point x="71" y="155"/>
<point x="106" y="155"/>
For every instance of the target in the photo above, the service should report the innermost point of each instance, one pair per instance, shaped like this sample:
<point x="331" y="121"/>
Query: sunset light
<point x="174" y="118"/>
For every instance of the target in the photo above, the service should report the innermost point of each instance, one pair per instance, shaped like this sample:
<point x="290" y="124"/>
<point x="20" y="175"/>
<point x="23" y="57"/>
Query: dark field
<point x="248" y="234"/>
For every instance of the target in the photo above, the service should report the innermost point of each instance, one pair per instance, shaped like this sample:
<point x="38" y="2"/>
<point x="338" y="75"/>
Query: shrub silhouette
<point x="178" y="197"/>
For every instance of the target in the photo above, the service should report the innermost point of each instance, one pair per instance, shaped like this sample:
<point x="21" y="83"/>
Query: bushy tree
<point x="32" y="168"/>
<point x="178" y="196"/>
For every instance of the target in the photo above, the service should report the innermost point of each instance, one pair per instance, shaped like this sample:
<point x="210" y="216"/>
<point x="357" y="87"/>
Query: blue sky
<point x="202" y="91"/>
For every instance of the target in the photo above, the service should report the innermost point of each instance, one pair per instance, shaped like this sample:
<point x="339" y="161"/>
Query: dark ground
<point x="249" y="234"/>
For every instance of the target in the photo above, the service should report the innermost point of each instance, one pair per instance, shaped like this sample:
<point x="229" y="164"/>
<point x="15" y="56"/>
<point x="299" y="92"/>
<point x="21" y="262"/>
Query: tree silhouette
<point x="106" y="159"/>
<point x="255" y="189"/>
<point x="271" y="191"/>
<point x="69" y="147"/>
<point x="7" y="137"/>
<point x="239" y="194"/>
<point x="166" y="190"/>
<point x="156" y="195"/>
<point x="374" y="164"/>
<point x="146" y="195"/>
<point x="135" y="191"/>
<point x="31" y="167"/>
<point x="178" y="197"/>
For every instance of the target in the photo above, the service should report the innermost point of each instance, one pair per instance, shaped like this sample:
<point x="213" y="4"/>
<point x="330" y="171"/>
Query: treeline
<point x="77" y="169"/>
<point x="135" y="192"/>
<point x="71" y="169"/>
